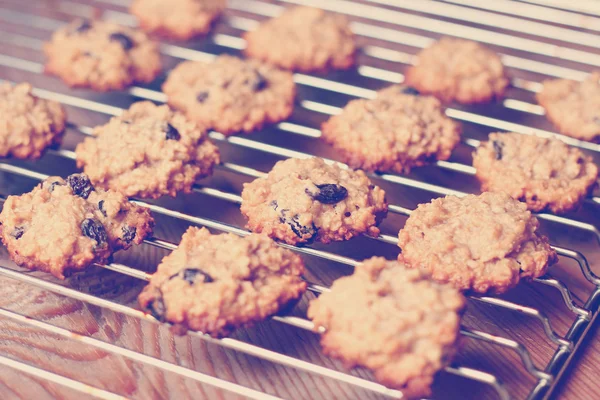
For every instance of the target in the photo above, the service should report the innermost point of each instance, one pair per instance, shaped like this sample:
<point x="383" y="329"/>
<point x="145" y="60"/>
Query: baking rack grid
<point x="525" y="34"/>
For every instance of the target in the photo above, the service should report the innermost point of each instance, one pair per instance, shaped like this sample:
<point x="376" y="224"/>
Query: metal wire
<point x="566" y="345"/>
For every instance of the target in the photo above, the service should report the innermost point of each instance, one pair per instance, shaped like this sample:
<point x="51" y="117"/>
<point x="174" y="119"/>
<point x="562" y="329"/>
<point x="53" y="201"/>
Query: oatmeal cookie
<point x="101" y="55"/>
<point x="484" y="243"/>
<point x="148" y="151"/>
<point x="177" y="19"/>
<point x="573" y="107"/>
<point x="304" y="39"/>
<point x="544" y="173"/>
<point x="396" y="131"/>
<point x="392" y="320"/>
<point x="231" y="94"/>
<point x="217" y="283"/>
<point x="457" y="69"/>
<point x="28" y="125"/>
<point x="302" y="200"/>
<point x="64" y="225"/>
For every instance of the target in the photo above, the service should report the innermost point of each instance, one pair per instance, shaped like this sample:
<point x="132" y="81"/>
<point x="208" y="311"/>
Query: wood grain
<point x="136" y="380"/>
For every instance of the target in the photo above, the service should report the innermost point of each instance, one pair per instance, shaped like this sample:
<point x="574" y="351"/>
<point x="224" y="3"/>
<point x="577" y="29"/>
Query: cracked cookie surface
<point x="393" y="320"/>
<point x="217" y="283"/>
<point x="101" y="55"/>
<point x="396" y="131"/>
<point x="28" y="124"/>
<point x="484" y="243"/>
<point x="177" y="19"/>
<point x="64" y="225"/>
<point x="544" y="173"/>
<point x="304" y="39"/>
<point x="148" y="151"/>
<point x="458" y="70"/>
<point x="573" y="107"/>
<point x="305" y="200"/>
<point x="231" y="95"/>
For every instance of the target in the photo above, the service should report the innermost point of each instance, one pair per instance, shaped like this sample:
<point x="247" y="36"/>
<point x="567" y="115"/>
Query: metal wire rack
<point x="535" y="42"/>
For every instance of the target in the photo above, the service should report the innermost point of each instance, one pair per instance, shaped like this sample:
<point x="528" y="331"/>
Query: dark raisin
<point x="17" y="232"/>
<point x="259" y="83"/>
<point x="101" y="207"/>
<point x="124" y="40"/>
<point x="329" y="193"/>
<point x="190" y="275"/>
<point x="54" y="184"/>
<point x="202" y="96"/>
<point x="80" y="184"/>
<point x="274" y="205"/>
<point x="157" y="308"/>
<point x="83" y="26"/>
<point x="411" y="91"/>
<point x="498" y="149"/>
<point x="347" y="214"/>
<point x="94" y="230"/>
<point x="172" y="133"/>
<point x="306" y="233"/>
<point x="129" y="233"/>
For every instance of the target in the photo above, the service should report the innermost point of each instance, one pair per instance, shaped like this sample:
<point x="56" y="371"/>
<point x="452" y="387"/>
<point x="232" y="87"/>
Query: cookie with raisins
<point x="305" y="200"/>
<point x="148" y="151"/>
<point x="217" y="283"/>
<point x="230" y="94"/>
<point x="397" y="130"/>
<point x="101" y="55"/>
<point x="177" y="19"/>
<point x="64" y="225"/>
<point x="545" y="173"/>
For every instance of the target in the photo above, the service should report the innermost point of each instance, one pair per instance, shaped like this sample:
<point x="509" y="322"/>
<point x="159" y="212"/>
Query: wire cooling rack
<point x="535" y="42"/>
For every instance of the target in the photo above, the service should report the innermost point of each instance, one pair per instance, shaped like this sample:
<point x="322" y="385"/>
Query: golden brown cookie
<point x="101" y="55"/>
<point x="217" y="283"/>
<point x="544" y="173"/>
<point x="148" y="151"/>
<point x="65" y="225"/>
<point x="393" y="320"/>
<point x="458" y="70"/>
<point x="303" y="200"/>
<point x="484" y="243"/>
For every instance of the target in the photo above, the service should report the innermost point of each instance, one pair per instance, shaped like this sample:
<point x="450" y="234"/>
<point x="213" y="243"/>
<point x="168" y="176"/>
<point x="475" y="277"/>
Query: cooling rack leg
<point x="562" y="358"/>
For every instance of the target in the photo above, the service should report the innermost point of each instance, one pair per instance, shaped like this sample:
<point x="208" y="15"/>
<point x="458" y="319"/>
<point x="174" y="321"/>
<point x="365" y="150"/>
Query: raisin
<point x="129" y="233"/>
<point x="54" y="184"/>
<point x="101" y="207"/>
<point x="124" y="40"/>
<point x="202" y="96"/>
<point x="83" y="26"/>
<point x="94" y="230"/>
<point x="304" y="232"/>
<point x="17" y="232"/>
<point x="80" y="184"/>
<point x="498" y="149"/>
<point x="410" y="90"/>
<point x="172" y="133"/>
<point x="274" y="205"/>
<point x="157" y="308"/>
<point x="329" y="193"/>
<point x="259" y="83"/>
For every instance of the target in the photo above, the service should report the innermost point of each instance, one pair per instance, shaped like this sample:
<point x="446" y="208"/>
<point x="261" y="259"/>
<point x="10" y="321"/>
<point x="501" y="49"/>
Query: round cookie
<point x="28" y="124"/>
<point x="304" y="39"/>
<point x="302" y="200"/>
<point x="392" y="320"/>
<point x="177" y="19"/>
<point x="396" y="131"/>
<point x="458" y="70"/>
<point x="230" y="94"/>
<point x="544" y="173"/>
<point x="573" y="107"/>
<point x="217" y="283"/>
<point x="148" y="151"/>
<point x="101" y="55"/>
<point x="64" y="225"/>
<point x="484" y="243"/>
